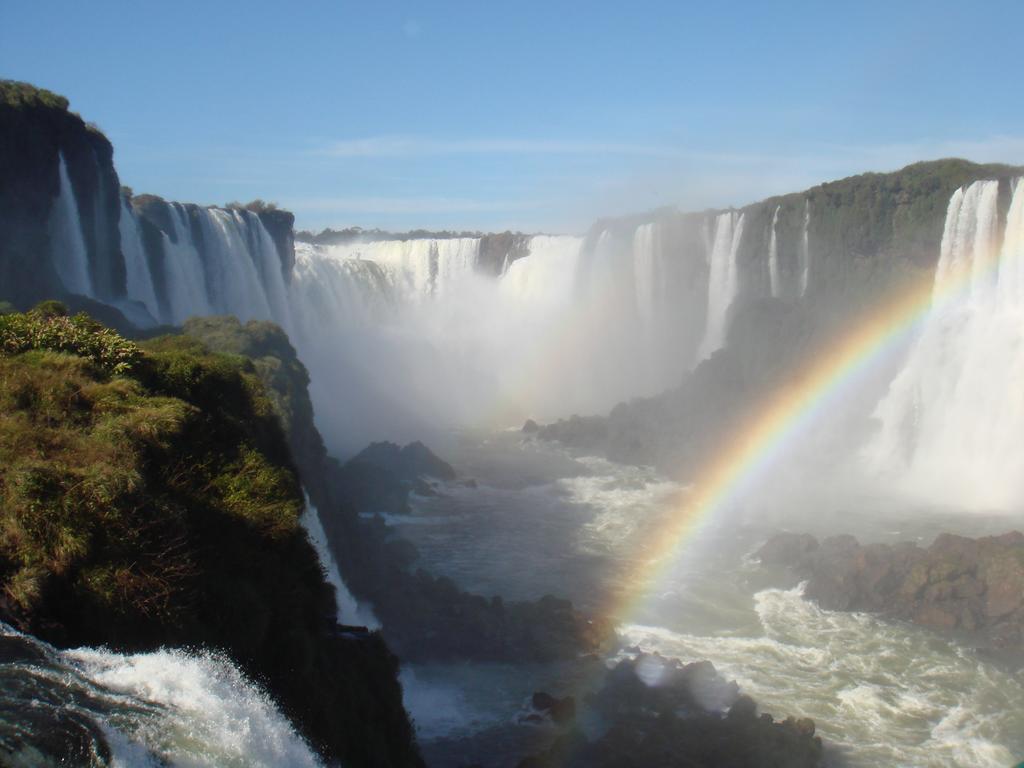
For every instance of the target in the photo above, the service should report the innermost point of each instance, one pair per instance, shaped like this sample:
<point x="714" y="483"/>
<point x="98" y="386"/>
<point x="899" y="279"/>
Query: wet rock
<point x="973" y="586"/>
<point x="655" y="715"/>
<point x="587" y="433"/>
<point x="561" y="711"/>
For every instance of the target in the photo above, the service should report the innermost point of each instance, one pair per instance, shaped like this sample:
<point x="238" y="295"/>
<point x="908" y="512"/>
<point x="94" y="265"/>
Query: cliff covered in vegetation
<point x="148" y="498"/>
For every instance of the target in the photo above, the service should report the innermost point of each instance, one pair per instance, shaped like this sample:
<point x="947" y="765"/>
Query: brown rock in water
<point x="974" y="586"/>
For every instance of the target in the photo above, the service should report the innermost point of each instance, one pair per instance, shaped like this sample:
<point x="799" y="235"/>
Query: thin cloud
<point x="405" y="146"/>
<point x="407" y="205"/>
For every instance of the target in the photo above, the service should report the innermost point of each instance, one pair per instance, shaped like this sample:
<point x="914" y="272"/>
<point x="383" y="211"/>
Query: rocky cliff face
<point x="42" y="147"/>
<point x="753" y="291"/>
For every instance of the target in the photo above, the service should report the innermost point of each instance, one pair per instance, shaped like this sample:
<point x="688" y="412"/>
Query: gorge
<point x="666" y="332"/>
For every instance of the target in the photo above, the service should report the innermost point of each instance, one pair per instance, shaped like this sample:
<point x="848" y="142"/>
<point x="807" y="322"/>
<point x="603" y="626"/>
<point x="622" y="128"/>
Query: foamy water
<point x="149" y="710"/>
<point x="886" y="693"/>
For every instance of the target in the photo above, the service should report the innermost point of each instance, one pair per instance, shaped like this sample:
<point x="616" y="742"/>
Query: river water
<point x="541" y="521"/>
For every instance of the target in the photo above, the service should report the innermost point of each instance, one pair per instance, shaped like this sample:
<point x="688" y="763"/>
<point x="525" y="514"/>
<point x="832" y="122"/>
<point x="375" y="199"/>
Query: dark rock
<point x="655" y="718"/>
<point x="561" y="711"/>
<point x="587" y="433"/>
<point x="498" y="250"/>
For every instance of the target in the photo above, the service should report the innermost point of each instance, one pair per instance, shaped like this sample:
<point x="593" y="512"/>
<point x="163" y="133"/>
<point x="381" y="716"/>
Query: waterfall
<point x="67" y="245"/>
<point x="546" y="278"/>
<point x="805" y="250"/>
<point x="139" y="278"/>
<point x="644" y="242"/>
<point x="773" y="256"/>
<point x="420" y="268"/>
<point x="723" y="280"/>
<point x="233" y="282"/>
<point x="952" y="418"/>
<point x="348" y="610"/>
<point x="268" y="264"/>
<point x="184" y="274"/>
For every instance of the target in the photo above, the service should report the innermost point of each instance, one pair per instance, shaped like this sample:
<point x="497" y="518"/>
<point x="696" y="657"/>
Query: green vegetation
<point x="285" y="379"/>
<point x="23" y="95"/>
<point x="48" y="327"/>
<point x="898" y="214"/>
<point x="148" y="498"/>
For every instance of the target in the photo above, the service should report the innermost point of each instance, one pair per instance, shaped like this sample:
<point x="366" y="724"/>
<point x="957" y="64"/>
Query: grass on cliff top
<point x="112" y="455"/>
<point x="22" y="95"/>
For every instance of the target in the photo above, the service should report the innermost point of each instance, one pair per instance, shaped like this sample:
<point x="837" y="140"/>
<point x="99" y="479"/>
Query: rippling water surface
<point x="542" y="522"/>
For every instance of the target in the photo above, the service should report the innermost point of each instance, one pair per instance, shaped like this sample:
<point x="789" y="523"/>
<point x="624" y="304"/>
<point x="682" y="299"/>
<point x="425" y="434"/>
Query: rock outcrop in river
<point x="969" y="586"/>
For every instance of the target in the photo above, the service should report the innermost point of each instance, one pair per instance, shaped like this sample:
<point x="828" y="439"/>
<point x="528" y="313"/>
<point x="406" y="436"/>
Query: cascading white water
<point x="349" y="611"/>
<point x="805" y="250"/>
<point x="137" y="272"/>
<point x="723" y="281"/>
<point x="952" y="419"/>
<point x="773" y="256"/>
<point x="644" y="256"/>
<point x="183" y="271"/>
<point x="233" y="282"/>
<point x="420" y="267"/>
<point x="268" y="264"/>
<point x="547" y="276"/>
<point x="67" y="246"/>
<point x="412" y="335"/>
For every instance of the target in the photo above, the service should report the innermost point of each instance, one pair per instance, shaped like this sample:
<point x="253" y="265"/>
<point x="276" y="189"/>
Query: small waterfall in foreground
<point x="723" y="281"/>
<point x="348" y="610"/>
<point x="165" y="709"/>
<point x="67" y="246"/>
<point x="952" y="421"/>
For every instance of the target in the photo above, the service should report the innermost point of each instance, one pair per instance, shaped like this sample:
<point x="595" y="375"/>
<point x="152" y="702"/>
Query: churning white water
<point x="952" y="419"/>
<point x="150" y="710"/>
<point x="884" y="693"/>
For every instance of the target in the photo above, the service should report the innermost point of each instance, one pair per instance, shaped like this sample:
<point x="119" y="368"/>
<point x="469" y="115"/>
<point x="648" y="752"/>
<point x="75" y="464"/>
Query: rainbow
<point x="758" y="442"/>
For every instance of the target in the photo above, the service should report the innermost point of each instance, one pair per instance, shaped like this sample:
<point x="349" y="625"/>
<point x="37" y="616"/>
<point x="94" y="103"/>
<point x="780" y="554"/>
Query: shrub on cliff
<point x="47" y="327"/>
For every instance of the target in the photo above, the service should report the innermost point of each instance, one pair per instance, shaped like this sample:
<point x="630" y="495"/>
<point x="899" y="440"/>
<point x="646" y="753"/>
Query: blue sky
<point x="523" y="115"/>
